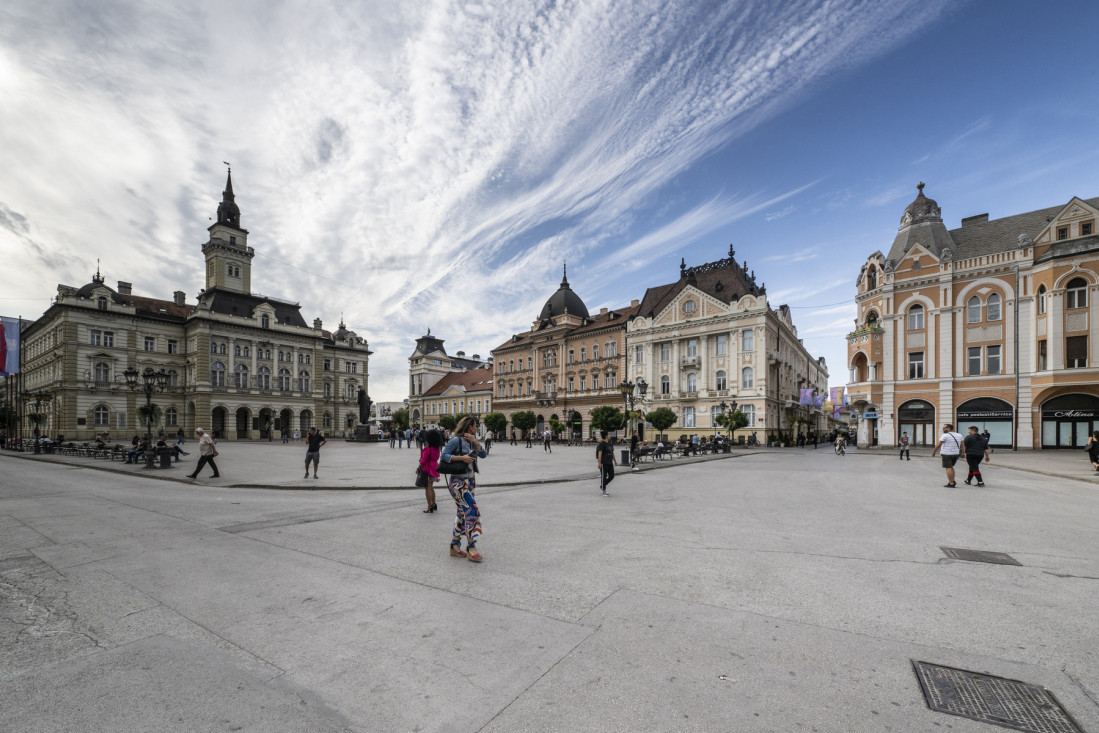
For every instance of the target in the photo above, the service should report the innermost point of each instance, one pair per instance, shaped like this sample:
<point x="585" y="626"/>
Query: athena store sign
<point x="1070" y="414"/>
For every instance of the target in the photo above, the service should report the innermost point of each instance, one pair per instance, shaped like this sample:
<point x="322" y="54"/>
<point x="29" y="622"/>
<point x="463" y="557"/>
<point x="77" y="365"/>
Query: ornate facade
<point x="711" y="339"/>
<point x="990" y="324"/>
<point x="428" y="364"/>
<point x="245" y="365"/>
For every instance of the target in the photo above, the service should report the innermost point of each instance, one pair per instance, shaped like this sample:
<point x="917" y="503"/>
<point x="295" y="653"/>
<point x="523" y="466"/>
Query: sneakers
<point x="969" y="482"/>
<point x="306" y="475"/>
<point x="605" y="494"/>
<point x="980" y="483"/>
<point x="949" y="486"/>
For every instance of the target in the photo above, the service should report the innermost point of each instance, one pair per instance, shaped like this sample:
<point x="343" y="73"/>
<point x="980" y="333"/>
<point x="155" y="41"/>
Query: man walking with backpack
<point x="950" y="444"/>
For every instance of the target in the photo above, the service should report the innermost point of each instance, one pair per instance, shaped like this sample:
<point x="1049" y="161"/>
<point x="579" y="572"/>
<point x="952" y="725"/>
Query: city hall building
<point x="244" y="365"/>
<point x="989" y="324"/>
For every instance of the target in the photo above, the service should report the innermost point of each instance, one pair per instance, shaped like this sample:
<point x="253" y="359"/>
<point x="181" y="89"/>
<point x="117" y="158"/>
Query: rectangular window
<point x="1062" y="232"/>
<point x="1087" y="228"/>
<point x="722" y="344"/>
<point x="665" y="352"/>
<point x="692" y="348"/>
<point x="583" y="383"/>
<point x="1076" y="298"/>
<point x="1076" y="352"/>
<point x="121" y="420"/>
<point x="688" y="417"/>
<point x="572" y="356"/>
<point x="327" y="365"/>
<point x="173" y="346"/>
<point x="639" y="355"/>
<point x="993" y="359"/>
<point x="915" y="319"/>
<point x="571" y="385"/>
<point x="973" y="361"/>
<point x="171" y="418"/>
<point x="97" y="338"/>
<point x="150" y="343"/>
<point x="747" y="341"/>
<point x="108" y="338"/>
<point x="915" y="365"/>
<point x="1042" y="358"/>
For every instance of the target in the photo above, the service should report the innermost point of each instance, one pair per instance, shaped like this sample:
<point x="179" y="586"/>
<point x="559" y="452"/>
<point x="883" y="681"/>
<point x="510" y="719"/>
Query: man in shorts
<point x="313" y="451"/>
<point x="604" y="458"/>
<point x="950" y="446"/>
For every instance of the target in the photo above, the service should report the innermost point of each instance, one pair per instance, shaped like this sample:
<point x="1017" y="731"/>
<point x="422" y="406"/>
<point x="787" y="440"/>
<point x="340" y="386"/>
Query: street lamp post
<point x="628" y="397"/>
<point x="150" y="381"/>
<point x="39" y="398"/>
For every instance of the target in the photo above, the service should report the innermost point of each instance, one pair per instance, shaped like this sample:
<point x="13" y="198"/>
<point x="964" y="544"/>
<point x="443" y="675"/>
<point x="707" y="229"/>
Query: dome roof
<point x="341" y="333"/>
<point x="921" y="208"/>
<point x="563" y="301"/>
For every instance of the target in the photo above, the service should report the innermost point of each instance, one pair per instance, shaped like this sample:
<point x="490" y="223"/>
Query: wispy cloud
<point x="809" y="253"/>
<point x="385" y="152"/>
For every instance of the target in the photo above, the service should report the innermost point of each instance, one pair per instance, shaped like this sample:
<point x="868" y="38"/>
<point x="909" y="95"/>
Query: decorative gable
<point x="1072" y="222"/>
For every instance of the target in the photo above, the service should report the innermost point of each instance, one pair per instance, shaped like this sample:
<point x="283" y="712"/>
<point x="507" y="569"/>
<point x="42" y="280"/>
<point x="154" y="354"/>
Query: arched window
<point x="241" y="376"/>
<point x="171" y="417"/>
<point x="871" y="319"/>
<point x="993" y="307"/>
<point x="692" y="382"/>
<point x="871" y="278"/>
<point x="221" y="348"/>
<point x="1076" y="293"/>
<point x="217" y="374"/>
<point x="352" y="391"/>
<point x="101" y="303"/>
<point x="327" y="389"/>
<point x="102" y="372"/>
<point x="284" y="380"/>
<point x="915" y="318"/>
<point x="665" y="384"/>
<point x="213" y="348"/>
<point x="747" y="378"/>
<point x="236" y="350"/>
<point x="264" y="376"/>
<point x="583" y="353"/>
<point x="720" y="380"/>
<point x="1041" y="299"/>
<point x="101" y="416"/>
<point x="973" y="310"/>
<point x="173" y="378"/>
<point x="303" y="381"/>
<point x="595" y="351"/>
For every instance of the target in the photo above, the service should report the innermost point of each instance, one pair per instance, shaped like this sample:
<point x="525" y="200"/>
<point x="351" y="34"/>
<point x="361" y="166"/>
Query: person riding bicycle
<point x="841" y="443"/>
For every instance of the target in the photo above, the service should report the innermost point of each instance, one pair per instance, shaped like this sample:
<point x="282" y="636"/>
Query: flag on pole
<point x="818" y="400"/>
<point x="9" y="346"/>
<point x="807" y="396"/>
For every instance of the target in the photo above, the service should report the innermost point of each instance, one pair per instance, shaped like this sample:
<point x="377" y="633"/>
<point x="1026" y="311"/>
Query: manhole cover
<point x="996" y="700"/>
<point x="999" y="558"/>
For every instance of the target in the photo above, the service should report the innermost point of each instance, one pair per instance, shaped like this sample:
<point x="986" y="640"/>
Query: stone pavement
<point x="771" y="590"/>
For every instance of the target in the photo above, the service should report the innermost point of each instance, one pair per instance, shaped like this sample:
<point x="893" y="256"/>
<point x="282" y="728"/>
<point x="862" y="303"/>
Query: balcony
<point x="689" y="361"/>
<point x="865" y="333"/>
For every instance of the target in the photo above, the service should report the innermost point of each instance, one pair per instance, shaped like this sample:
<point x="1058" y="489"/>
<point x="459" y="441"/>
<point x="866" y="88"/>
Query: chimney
<point x="461" y="353"/>
<point x="602" y="311"/>
<point x="317" y="324"/>
<point x="125" y="288"/>
<point x="634" y="303"/>
<point x="179" y="297"/>
<point x="971" y="220"/>
<point x="476" y="357"/>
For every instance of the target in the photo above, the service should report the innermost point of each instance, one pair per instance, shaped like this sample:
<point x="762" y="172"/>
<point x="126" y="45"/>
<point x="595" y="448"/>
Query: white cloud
<point x="410" y="165"/>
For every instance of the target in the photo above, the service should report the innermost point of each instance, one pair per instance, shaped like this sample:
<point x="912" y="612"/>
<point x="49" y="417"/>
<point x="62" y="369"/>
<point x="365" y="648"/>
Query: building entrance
<point x="917" y="418"/>
<point x="991" y="414"/>
<point x="1068" y="420"/>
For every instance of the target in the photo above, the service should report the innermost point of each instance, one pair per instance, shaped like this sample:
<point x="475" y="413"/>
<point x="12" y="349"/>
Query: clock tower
<point x="228" y="256"/>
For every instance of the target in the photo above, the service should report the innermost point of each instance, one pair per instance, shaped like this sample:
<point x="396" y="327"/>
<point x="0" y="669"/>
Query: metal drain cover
<point x="996" y="700"/>
<point x="998" y="558"/>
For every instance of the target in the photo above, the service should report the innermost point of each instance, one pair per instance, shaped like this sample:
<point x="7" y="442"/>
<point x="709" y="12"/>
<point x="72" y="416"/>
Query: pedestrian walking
<point x="408" y="437"/>
<point x="207" y="451"/>
<point x="297" y="435"/>
<point x="976" y="450"/>
<point x="392" y="438"/>
<point x="179" y="437"/>
<point x="464" y="448"/>
<point x="285" y="437"/>
<point x="633" y="452"/>
<point x="987" y="436"/>
<point x="513" y="438"/>
<point x="488" y="442"/>
<point x="950" y="446"/>
<point x="528" y="434"/>
<point x="547" y="440"/>
<point x="314" y="441"/>
<point x="429" y="465"/>
<point x="604" y="459"/>
<point x="1093" y="451"/>
<point x="903" y="443"/>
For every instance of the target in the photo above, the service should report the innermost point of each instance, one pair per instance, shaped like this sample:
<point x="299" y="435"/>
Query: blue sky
<point x="430" y="164"/>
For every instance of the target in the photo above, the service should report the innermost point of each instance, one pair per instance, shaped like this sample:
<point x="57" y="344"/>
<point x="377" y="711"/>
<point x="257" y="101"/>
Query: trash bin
<point x="165" y="457"/>
<point x="625" y="459"/>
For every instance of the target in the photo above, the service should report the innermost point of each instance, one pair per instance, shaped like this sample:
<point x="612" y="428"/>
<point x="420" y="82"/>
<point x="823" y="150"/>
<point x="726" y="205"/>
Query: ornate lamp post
<point x="628" y="396"/>
<point x="147" y="381"/>
<point x="41" y="397"/>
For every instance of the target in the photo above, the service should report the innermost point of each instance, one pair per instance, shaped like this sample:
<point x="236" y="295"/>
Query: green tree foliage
<point x="607" y="418"/>
<point x="448" y="422"/>
<point x="556" y="425"/>
<point x="400" y="419"/>
<point x="524" y="420"/>
<point x="149" y="415"/>
<point x="496" y="422"/>
<point x="733" y="420"/>
<point x="661" y="419"/>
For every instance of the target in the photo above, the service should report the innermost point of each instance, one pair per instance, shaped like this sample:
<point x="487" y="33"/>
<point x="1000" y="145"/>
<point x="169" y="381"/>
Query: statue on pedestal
<point x="364" y="406"/>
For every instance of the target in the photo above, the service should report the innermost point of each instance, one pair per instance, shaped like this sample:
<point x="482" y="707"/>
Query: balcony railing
<point x="865" y="331"/>
<point x="689" y="361"/>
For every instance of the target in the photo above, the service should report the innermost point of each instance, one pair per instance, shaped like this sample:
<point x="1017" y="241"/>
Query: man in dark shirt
<point x="313" y="451"/>
<point x="976" y="450"/>
<point x="604" y="458"/>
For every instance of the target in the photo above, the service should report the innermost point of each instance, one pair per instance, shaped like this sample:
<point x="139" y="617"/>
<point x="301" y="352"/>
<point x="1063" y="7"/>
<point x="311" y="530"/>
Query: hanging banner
<point x="807" y="396"/>
<point x="837" y="412"/>
<point x="836" y="396"/>
<point x="9" y="346"/>
<point x="818" y="400"/>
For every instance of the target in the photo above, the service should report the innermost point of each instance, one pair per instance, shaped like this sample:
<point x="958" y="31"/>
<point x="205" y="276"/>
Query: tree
<point x="400" y="419"/>
<point x="149" y="415"/>
<point x="496" y="422"/>
<point x="661" y="419"/>
<point x="732" y="420"/>
<point x="448" y="422"/>
<point x="556" y="425"/>
<point x="524" y="420"/>
<point x="607" y="418"/>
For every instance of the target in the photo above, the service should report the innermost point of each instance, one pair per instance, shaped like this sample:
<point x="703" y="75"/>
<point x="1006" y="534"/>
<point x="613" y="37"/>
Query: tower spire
<point x="564" y="273"/>
<point x="228" y="211"/>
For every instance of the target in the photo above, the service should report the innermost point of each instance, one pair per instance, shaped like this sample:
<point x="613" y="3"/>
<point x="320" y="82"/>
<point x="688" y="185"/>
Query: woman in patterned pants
<point x="464" y="448"/>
